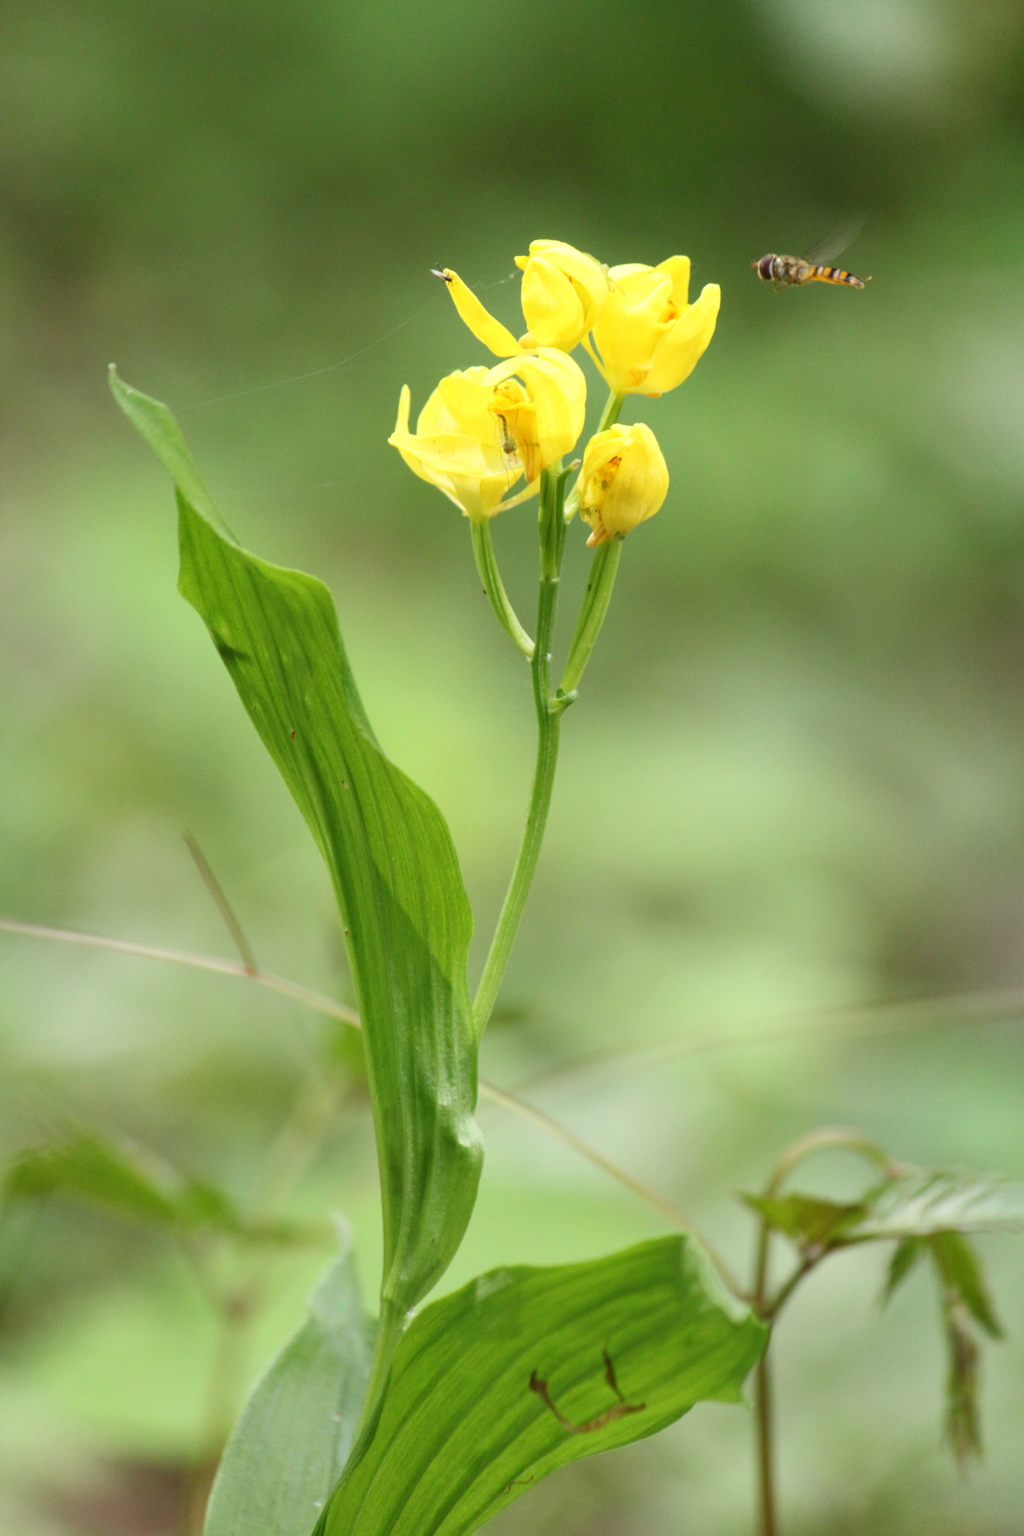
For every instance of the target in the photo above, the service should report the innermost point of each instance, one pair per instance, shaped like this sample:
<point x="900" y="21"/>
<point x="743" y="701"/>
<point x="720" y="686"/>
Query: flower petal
<point x="623" y="481"/>
<point x="628" y="269"/>
<point x="554" y="313"/>
<point x="558" y="390"/>
<point x="483" y="324"/>
<point x="639" y="487"/>
<point x="678" y="269"/>
<point x="402" y="439"/>
<point x="586" y="275"/>
<point x="681" y="348"/>
<point x="465" y="396"/>
<point x="628" y="331"/>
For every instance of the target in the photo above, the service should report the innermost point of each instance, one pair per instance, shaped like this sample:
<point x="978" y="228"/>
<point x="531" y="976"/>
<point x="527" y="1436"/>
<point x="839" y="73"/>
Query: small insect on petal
<point x="435" y="272"/>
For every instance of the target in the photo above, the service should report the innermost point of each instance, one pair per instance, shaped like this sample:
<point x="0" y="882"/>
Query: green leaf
<point x="810" y="1222"/>
<point x="904" y="1257"/>
<point x="404" y="911"/>
<point x="621" y="1347"/>
<point x="919" y="1202"/>
<point x="963" y="1425"/>
<point x="120" y="1179"/>
<point x="960" y="1270"/>
<point x="132" y="1183"/>
<point x="287" y="1450"/>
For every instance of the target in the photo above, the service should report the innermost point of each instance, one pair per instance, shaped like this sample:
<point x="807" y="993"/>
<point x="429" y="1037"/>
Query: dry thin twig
<point x="335" y="1010"/>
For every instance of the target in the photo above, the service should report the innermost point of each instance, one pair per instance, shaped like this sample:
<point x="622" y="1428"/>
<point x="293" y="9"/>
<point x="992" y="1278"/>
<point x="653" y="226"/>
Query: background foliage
<point x="795" y="782"/>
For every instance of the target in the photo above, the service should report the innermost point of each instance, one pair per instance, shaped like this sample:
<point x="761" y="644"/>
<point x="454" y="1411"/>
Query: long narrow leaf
<point x="287" y="1450"/>
<point x="404" y="911"/>
<point x="961" y="1272"/>
<point x="526" y="1369"/>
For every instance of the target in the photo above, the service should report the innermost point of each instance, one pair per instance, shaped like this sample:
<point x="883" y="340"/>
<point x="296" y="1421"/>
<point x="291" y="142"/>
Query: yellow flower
<point x="623" y="481"/>
<point x="540" y="399"/>
<point x="562" y="294"/>
<point x="648" y="338"/>
<point x="483" y="428"/>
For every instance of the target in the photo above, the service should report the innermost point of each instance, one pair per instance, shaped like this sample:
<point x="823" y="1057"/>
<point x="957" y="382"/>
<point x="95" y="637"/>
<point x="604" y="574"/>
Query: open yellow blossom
<point x="483" y="428"/>
<point x="648" y="338"/>
<point x="470" y="469"/>
<point x="623" y="481"/>
<point x="562" y="294"/>
<point x="540" y="399"/>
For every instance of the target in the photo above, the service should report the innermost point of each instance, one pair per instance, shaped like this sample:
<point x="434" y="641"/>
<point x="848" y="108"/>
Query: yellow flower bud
<point x="648" y="337"/>
<point x="562" y="294"/>
<point x="483" y="428"/>
<point x="623" y="481"/>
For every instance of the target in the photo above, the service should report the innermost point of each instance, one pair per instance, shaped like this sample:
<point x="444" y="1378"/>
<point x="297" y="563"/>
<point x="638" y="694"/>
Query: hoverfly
<point x="789" y="271"/>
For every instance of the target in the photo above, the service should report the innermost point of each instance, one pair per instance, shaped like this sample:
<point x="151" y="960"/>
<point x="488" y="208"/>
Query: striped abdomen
<point x="831" y="275"/>
<point x="792" y="270"/>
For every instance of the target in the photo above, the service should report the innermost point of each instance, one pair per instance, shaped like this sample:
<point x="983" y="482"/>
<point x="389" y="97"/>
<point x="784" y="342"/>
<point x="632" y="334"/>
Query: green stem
<point x="390" y="1328"/>
<point x="764" y="1415"/>
<point x="765" y="1419"/>
<point x="773" y="1306"/>
<point x="592" y="611"/>
<point x="549" y="712"/>
<point x="487" y="565"/>
<point x="609" y="416"/>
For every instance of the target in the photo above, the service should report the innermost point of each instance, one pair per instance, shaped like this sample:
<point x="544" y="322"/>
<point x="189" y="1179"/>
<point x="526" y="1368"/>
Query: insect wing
<point x="827" y="250"/>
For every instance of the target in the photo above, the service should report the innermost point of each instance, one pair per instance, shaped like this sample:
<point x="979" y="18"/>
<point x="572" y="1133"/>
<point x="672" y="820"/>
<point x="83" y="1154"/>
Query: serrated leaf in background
<point x="921" y="1202"/>
<point x="961" y="1273"/>
<point x="805" y="1218"/>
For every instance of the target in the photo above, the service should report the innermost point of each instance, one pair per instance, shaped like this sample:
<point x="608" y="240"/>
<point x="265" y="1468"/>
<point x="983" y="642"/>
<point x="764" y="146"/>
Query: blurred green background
<point x="795" y="780"/>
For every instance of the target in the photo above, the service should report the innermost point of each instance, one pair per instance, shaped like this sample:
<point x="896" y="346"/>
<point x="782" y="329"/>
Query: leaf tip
<point x="121" y="391"/>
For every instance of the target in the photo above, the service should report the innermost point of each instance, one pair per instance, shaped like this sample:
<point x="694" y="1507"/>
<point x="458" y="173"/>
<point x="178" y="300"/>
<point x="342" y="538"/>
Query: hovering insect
<point x="790" y="271"/>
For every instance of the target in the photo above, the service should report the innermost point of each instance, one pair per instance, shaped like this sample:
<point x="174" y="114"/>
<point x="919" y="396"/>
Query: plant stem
<point x="390" y="1328"/>
<point x="609" y="416"/>
<point x="549" y="712"/>
<point x="487" y="566"/>
<point x="764" y="1416"/>
<point x="763" y="1408"/>
<point x="768" y="1309"/>
<point x="592" y="611"/>
<point x="825" y="1140"/>
<point x="774" y="1306"/>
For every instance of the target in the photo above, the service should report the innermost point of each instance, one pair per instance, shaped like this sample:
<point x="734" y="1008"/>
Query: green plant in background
<point x="928" y="1214"/>
<point x="439" y="1415"/>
